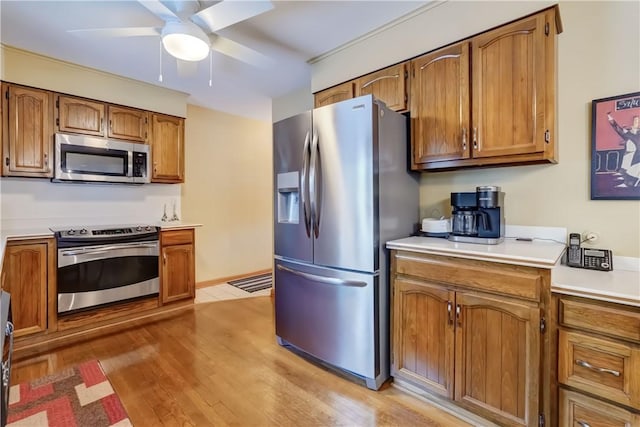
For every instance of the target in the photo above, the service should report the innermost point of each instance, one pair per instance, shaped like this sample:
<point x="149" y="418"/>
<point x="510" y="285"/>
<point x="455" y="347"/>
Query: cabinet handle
<point x="450" y="312"/>
<point x="46" y="159"/>
<point x="164" y="258"/>
<point x="111" y="125"/>
<point x="583" y="424"/>
<point x="597" y="369"/>
<point x="464" y="138"/>
<point x="459" y="314"/>
<point x="475" y="138"/>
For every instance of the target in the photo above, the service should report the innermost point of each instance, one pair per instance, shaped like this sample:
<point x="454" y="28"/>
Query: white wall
<point x="228" y="189"/>
<point x="28" y="202"/>
<point x="598" y="56"/>
<point x="292" y="104"/>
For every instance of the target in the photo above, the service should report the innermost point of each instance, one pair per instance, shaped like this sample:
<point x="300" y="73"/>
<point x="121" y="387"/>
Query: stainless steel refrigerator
<point x="342" y="189"/>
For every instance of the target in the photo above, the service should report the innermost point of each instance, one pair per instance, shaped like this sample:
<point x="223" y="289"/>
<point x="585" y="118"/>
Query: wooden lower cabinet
<point x="28" y="274"/>
<point x="481" y="351"/>
<point x="579" y="410"/>
<point x="177" y="272"/>
<point x="598" y="363"/>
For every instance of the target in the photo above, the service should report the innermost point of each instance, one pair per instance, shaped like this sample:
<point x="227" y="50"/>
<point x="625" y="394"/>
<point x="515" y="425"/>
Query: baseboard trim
<point x="219" y="280"/>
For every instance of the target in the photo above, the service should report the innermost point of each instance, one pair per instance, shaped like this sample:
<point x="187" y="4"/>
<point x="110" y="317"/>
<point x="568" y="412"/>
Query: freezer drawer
<point x="330" y="314"/>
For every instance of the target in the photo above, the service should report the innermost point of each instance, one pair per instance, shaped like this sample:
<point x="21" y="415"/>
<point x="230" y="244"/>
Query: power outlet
<point x="591" y="237"/>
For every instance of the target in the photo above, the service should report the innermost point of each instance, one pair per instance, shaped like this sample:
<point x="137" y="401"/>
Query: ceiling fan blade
<point x="239" y="51"/>
<point x="186" y="68"/>
<point x="160" y="10"/>
<point x="228" y="12"/>
<point x="117" y="32"/>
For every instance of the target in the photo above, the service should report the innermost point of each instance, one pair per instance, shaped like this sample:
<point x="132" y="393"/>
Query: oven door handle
<point x="104" y="249"/>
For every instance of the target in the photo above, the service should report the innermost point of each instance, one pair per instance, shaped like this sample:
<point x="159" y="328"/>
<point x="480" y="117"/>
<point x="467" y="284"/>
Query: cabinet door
<point x="423" y="335"/>
<point x="80" y="116"/>
<point x="25" y="278"/>
<point x="177" y="273"/>
<point x="128" y="123"/>
<point x="335" y="94"/>
<point x="509" y="89"/>
<point x="582" y="411"/>
<point x="498" y="358"/>
<point x="388" y="85"/>
<point x="167" y="148"/>
<point x="28" y="144"/>
<point x="440" y="105"/>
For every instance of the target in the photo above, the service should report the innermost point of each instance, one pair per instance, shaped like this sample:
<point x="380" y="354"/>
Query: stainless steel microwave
<point x="88" y="159"/>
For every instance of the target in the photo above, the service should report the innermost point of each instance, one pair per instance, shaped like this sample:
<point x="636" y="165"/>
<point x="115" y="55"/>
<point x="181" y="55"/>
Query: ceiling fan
<point x="189" y="30"/>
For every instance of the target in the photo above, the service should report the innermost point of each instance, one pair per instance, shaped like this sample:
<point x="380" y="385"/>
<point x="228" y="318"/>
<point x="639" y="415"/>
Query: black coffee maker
<point x="478" y="217"/>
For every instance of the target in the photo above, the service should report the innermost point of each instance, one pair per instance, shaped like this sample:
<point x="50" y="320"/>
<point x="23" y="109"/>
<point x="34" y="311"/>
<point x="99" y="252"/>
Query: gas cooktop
<point x="103" y="231"/>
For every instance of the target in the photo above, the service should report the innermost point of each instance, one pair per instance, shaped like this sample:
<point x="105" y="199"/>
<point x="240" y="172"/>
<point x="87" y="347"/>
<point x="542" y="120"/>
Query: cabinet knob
<point x="475" y="138"/>
<point x="464" y="139"/>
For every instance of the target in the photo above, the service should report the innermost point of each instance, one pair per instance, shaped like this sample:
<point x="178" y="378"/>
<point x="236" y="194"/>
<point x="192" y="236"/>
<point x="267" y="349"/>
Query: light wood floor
<point x="218" y="364"/>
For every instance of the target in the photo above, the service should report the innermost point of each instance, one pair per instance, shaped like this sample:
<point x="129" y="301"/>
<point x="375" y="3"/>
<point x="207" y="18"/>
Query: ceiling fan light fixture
<point x="185" y="41"/>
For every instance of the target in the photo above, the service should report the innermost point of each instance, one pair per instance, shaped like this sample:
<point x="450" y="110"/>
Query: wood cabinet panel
<point x="423" y="335"/>
<point x="522" y="282"/>
<point x="127" y="123"/>
<point x="600" y="366"/>
<point x="177" y="272"/>
<point x="167" y="148"/>
<point x="498" y="358"/>
<point x="509" y="89"/>
<point x="599" y="317"/>
<point x="334" y="94"/>
<point x="25" y="278"/>
<point x="28" y="135"/>
<point x="388" y="85"/>
<point x="579" y="410"/>
<point x="78" y="115"/>
<point x="440" y="109"/>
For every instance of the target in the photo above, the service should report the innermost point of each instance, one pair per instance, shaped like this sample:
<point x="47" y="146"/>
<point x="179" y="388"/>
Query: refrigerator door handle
<point x="324" y="279"/>
<point x="313" y="190"/>
<point x="304" y="184"/>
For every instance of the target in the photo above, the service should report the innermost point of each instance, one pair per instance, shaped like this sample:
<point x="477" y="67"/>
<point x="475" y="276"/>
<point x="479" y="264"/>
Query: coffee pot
<point x="478" y="217"/>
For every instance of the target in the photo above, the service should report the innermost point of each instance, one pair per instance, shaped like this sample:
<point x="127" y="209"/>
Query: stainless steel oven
<point x="98" y="266"/>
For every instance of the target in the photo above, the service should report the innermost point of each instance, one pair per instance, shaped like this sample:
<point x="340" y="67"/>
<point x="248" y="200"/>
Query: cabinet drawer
<point x="521" y="282"/>
<point x="176" y="237"/>
<point x="580" y="410"/>
<point x="599" y="366"/>
<point x="608" y="320"/>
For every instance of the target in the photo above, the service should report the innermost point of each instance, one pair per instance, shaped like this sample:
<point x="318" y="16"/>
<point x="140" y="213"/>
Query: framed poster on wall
<point x="615" y="148"/>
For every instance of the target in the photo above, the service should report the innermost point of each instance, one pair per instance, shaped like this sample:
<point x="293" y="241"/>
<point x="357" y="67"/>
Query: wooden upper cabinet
<point x="388" y="85"/>
<point x="509" y="88"/>
<point x="128" y="123"/>
<point x="77" y="115"/>
<point x="167" y="148"/>
<point x="440" y="105"/>
<point x="27" y="131"/>
<point x="334" y="94"/>
<point x="498" y="358"/>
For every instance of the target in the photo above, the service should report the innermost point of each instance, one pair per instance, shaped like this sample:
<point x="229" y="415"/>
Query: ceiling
<point x="291" y="34"/>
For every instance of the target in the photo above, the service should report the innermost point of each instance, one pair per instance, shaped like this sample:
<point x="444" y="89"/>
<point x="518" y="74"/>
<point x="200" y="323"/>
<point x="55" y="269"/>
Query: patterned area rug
<point x="79" y="396"/>
<point x="253" y="283"/>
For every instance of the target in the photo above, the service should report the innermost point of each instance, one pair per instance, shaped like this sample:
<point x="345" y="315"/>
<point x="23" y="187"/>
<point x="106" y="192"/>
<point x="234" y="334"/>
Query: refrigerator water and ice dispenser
<point x="288" y="198"/>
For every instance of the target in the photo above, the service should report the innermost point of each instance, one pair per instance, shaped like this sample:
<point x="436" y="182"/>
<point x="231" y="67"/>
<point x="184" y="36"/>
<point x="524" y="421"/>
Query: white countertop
<point x="543" y="254"/>
<point x="622" y="285"/>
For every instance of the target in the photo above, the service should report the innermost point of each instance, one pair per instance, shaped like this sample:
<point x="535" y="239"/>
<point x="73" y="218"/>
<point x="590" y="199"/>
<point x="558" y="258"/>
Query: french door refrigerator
<point x="342" y="189"/>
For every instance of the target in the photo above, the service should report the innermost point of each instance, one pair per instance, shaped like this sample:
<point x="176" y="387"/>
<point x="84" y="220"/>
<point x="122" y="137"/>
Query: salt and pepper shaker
<point x="164" y="215"/>
<point x="175" y="215"/>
